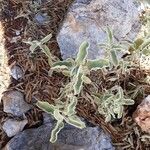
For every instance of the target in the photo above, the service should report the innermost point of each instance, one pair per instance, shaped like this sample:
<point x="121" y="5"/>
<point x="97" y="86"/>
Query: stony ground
<point x="22" y="20"/>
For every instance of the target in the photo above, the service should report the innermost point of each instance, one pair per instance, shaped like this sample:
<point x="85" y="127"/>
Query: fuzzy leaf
<point x="97" y="64"/>
<point x="110" y="35"/>
<point x="82" y="54"/>
<point x="86" y="80"/>
<point x="128" y="102"/>
<point x="66" y="73"/>
<point x="57" y="115"/>
<point x="33" y="47"/>
<point x="101" y="110"/>
<point x="120" y="112"/>
<point x="74" y="70"/>
<point x="46" y="39"/>
<point x="97" y="95"/>
<point x="138" y="43"/>
<point x="78" y="84"/>
<point x="56" y="130"/>
<point x="62" y="65"/>
<point x="47" y="52"/>
<point x="146" y="52"/>
<point x="117" y="47"/>
<point x="120" y="92"/>
<point x="75" y="121"/>
<point x="114" y="58"/>
<point x="145" y="44"/>
<point x="72" y="106"/>
<point x="97" y="100"/>
<point x="108" y="118"/>
<point x="45" y="106"/>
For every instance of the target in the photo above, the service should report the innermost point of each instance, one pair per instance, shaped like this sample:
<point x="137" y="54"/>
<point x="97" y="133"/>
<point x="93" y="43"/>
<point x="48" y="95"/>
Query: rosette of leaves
<point x="42" y="45"/>
<point x="111" y="49"/>
<point x="79" y="69"/>
<point x="111" y="103"/>
<point x="62" y="112"/>
<point x="141" y="46"/>
<point x="113" y="52"/>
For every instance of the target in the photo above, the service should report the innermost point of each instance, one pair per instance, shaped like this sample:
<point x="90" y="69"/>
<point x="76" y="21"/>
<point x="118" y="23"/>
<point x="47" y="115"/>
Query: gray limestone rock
<point x="14" y="103"/>
<point x="70" y="138"/>
<point x="13" y="127"/>
<point x="88" y="19"/>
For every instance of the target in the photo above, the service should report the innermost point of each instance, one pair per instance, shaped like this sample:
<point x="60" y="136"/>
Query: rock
<point x="13" y="102"/>
<point x="16" y="72"/>
<point x="142" y="115"/>
<point x="13" y="127"/>
<point x="41" y="18"/>
<point x="70" y="138"/>
<point x="88" y="19"/>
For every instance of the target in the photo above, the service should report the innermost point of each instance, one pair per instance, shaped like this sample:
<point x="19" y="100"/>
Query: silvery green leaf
<point x="104" y="45"/>
<point x="75" y="121"/>
<point x="33" y="47"/>
<point x="114" y="58"/>
<point x="62" y="65"/>
<point x="120" y="92"/>
<point x="127" y="102"/>
<point x="74" y="70"/>
<point x="97" y="64"/>
<point x="56" y="130"/>
<point x="72" y="106"/>
<point x="29" y="42"/>
<point x="120" y="112"/>
<point x="57" y="115"/>
<point x="110" y="35"/>
<point x="97" y="100"/>
<point x="66" y="73"/>
<point x="101" y="110"/>
<point x="86" y="80"/>
<point x="109" y="100"/>
<point x="97" y="95"/>
<point x="116" y="108"/>
<point x="138" y="42"/>
<point x="108" y="118"/>
<point x="117" y="47"/>
<point x="82" y="54"/>
<point x="107" y="96"/>
<point x="47" y="52"/>
<point x="78" y="84"/>
<point x="45" y="106"/>
<point x="146" y="52"/>
<point x="145" y="44"/>
<point x="111" y="112"/>
<point x="46" y="39"/>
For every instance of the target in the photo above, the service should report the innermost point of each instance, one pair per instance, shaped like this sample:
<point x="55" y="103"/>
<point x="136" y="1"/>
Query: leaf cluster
<point x="61" y="114"/>
<point x="79" y="69"/>
<point x="42" y="45"/>
<point x="111" y="103"/>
